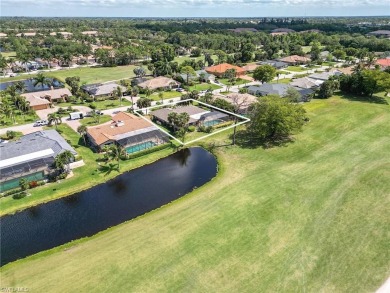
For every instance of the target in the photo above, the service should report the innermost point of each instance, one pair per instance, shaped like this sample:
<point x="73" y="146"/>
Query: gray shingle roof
<point x="35" y="142"/>
<point x="99" y="89"/>
<point x="269" y="89"/>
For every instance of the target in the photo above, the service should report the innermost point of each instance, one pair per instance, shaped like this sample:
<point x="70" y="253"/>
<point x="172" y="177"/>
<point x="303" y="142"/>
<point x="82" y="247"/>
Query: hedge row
<point x="148" y="151"/>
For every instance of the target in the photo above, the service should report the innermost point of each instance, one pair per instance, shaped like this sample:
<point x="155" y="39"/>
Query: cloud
<point x="211" y="3"/>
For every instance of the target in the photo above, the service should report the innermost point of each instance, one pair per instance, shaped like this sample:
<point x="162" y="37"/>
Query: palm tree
<point x="54" y="117"/>
<point x="7" y="111"/>
<point x="24" y="59"/>
<point x="113" y="153"/>
<point x="41" y="80"/>
<point x="62" y="159"/>
<point x="82" y="130"/>
<point x="134" y="93"/>
<point x="161" y="96"/>
<point x="118" y="93"/>
<point x="20" y="86"/>
<point x="23" y="105"/>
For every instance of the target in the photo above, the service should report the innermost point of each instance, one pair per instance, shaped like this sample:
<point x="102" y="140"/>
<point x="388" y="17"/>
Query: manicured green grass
<point x="166" y="95"/>
<point x="8" y="55"/>
<point x="85" y="177"/>
<point x="19" y="119"/>
<point x="86" y="74"/>
<point x="100" y="105"/>
<point x="311" y="216"/>
<point x="91" y="121"/>
<point x="204" y="86"/>
<point x="239" y="81"/>
<point x="282" y="80"/>
<point x="181" y="59"/>
<point x="306" y="49"/>
<point x="295" y="68"/>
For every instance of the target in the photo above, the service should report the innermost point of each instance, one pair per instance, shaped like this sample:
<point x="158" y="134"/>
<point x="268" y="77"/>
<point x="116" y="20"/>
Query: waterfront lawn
<point x="309" y="216"/>
<point x="87" y="74"/>
<point x="84" y="177"/>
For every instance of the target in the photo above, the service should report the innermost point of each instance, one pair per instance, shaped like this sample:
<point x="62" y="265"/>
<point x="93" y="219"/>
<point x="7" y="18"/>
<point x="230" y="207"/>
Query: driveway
<point x="25" y="129"/>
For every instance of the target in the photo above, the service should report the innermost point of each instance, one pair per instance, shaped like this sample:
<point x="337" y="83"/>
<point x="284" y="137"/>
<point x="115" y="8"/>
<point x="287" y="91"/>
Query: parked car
<point x="98" y="112"/>
<point x="179" y="89"/>
<point x="40" y="123"/>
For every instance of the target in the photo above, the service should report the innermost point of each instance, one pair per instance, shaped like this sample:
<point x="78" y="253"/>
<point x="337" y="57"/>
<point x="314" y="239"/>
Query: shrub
<point x="20" y="195"/>
<point x="206" y="129"/>
<point x="33" y="184"/>
<point x="148" y="151"/>
<point x="191" y="128"/>
<point x="70" y="109"/>
<point x="12" y="191"/>
<point x="61" y="111"/>
<point x="92" y="106"/>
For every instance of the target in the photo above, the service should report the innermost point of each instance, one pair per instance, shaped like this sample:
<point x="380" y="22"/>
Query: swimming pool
<point x="140" y="147"/>
<point x="212" y="122"/>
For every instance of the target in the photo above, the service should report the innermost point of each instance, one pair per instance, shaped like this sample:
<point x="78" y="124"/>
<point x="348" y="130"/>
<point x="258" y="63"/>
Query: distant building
<point x="102" y="89"/>
<point x="64" y="34"/>
<point x="281" y="31"/>
<point x="295" y="59"/>
<point x="305" y="83"/>
<point x="30" y="157"/>
<point x="206" y="76"/>
<point x="269" y="89"/>
<point x="323" y="75"/>
<point x="90" y="33"/>
<point x="380" y="33"/>
<point x="243" y="29"/>
<point x="383" y="63"/>
<point x="242" y="101"/>
<point x="128" y="131"/>
<point x="250" y="67"/>
<point x="27" y="34"/>
<point x="160" y="82"/>
<point x="310" y="31"/>
<point x="274" y="63"/>
<point x="220" y="69"/>
<point x="3" y="35"/>
<point x="194" y="112"/>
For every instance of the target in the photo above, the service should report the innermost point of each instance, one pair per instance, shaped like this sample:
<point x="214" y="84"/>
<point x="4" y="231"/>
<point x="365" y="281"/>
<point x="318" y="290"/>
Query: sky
<point x="193" y="8"/>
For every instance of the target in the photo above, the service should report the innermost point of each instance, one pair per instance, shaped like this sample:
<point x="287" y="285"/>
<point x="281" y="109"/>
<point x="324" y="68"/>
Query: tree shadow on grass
<point x="248" y="141"/>
<point x="374" y="99"/>
<point x="107" y="169"/>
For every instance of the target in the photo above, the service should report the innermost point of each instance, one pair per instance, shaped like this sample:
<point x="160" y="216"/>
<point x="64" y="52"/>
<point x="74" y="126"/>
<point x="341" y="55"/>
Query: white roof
<point x="26" y="158"/>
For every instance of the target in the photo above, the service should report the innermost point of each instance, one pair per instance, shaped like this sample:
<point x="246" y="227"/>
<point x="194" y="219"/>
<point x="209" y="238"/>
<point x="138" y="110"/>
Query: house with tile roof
<point x="128" y="131"/>
<point x="160" y="82"/>
<point x="30" y="157"/>
<point x="220" y="69"/>
<point x="43" y="99"/>
<point x="383" y="63"/>
<point x="295" y="59"/>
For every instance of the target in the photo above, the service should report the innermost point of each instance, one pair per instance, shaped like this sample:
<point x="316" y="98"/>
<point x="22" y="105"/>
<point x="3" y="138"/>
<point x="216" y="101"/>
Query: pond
<point x="85" y="213"/>
<point x="29" y="85"/>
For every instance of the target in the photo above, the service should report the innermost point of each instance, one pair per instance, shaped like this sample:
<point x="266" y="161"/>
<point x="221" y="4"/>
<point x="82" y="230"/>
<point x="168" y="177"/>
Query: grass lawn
<point x="100" y="105"/>
<point x="306" y="49"/>
<point x="19" y="119"/>
<point x="328" y="63"/>
<point x="295" y="68"/>
<point x="181" y="59"/>
<point x="239" y="81"/>
<point x="86" y="74"/>
<point x="311" y="216"/>
<point x="8" y="55"/>
<point x="282" y="80"/>
<point x="204" y="86"/>
<point x="166" y="95"/>
<point x="90" y="121"/>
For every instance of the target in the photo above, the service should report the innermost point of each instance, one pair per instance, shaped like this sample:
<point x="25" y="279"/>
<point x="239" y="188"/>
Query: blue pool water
<point x="212" y="122"/>
<point x="140" y="147"/>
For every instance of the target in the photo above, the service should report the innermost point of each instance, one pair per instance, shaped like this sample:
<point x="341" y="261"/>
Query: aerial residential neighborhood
<point x="166" y="148"/>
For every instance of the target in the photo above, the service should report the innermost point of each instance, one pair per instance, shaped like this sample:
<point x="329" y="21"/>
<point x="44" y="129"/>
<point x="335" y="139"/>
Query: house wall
<point x="40" y="107"/>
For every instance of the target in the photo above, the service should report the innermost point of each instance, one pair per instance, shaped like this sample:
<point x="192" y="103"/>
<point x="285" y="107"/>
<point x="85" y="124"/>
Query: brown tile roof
<point x="121" y="123"/>
<point x="221" y="68"/>
<point x="295" y="59"/>
<point x="36" y="100"/>
<point x="158" y="82"/>
<point x="345" y="70"/>
<point x="53" y="94"/>
<point x="250" y="67"/>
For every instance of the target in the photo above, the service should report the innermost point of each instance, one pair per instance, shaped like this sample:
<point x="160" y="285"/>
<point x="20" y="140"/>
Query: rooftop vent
<point x="119" y="123"/>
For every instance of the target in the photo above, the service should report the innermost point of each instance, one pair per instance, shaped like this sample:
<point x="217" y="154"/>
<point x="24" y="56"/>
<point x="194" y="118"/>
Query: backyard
<point x="204" y="87"/>
<point x="311" y="216"/>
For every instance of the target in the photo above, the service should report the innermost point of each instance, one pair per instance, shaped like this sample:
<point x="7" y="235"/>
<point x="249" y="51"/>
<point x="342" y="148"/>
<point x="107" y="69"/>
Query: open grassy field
<point x="310" y="216"/>
<point x="181" y="59"/>
<point x="204" y="86"/>
<point x="86" y="74"/>
<point x="295" y="68"/>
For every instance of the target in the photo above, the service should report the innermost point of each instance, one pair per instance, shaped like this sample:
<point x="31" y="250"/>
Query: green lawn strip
<point x="204" y="86"/>
<point x="84" y="177"/>
<point x="100" y="105"/>
<point x="19" y="119"/>
<point x="181" y="59"/>
<point x="309" y="216"/>
<point x="282" y="80"/>
<point x="166" y="95"/>
<point x="91" y="121"/>
<point x="239" y="81"/>
<point x="86" y="74"/>
<point x="295" y="68"/>
<point x="8" y="55"/>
